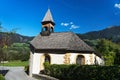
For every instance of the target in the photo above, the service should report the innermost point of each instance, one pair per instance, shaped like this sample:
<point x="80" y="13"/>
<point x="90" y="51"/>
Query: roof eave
<point x="45" y="22"/>
<point x="63" y="51"/>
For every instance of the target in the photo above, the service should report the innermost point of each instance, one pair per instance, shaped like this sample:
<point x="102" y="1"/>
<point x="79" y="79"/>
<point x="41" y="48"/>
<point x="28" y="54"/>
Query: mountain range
<point x="111" y="33"/>
<point x="16" y="38"/>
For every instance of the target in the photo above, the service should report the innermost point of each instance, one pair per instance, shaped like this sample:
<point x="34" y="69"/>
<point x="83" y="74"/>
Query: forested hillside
<point x="110" y="33"/>
<point x="14" y="46"/>
<point x="15" y="38"/>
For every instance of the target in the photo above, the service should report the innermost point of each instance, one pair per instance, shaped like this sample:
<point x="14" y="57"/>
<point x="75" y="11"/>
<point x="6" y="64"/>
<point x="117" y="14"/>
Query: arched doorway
<point x="44" y="58"/>
<point x="80" y="60"/>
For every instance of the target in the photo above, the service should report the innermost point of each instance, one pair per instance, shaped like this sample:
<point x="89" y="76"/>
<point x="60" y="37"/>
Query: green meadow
<point x="15" y="63"/>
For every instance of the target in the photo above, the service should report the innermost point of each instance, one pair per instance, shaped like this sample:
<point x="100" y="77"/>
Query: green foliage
<point x="26" y="69"/>
<point x="110" y="51"/>
<point x="9" y="50"/>
<point x="47" y="67"/>
<point x="17" y="51"/>
<point x="2" y="77"/>
<point x="92" y="43"/>
<point x="117" y="57"/>
<point x="76" y="72"/>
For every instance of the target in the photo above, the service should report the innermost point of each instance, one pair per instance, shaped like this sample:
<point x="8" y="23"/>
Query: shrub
<point x="2" y="77"/>
<point x="87" y="72"/>
<point x="47" y="68"/>
<point x="27" y="69"/>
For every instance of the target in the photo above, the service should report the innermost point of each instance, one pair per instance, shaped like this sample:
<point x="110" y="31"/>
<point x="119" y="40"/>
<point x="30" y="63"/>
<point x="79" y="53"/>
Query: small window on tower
<point x="45" y="29"/>
<point x="51" y="29"/>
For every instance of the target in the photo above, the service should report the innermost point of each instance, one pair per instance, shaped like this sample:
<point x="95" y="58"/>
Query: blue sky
<point x="79" y="16"/>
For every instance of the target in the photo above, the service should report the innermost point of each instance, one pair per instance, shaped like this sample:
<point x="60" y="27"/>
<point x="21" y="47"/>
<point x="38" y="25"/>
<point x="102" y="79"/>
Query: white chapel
<point x="59" y="48"/>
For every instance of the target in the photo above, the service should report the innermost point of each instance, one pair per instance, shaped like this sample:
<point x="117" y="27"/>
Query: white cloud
<point x="74" y="27"/>
<point x="71" y="25"/>
<point x="71" y="22"/>
<point x="64" y="24"/>
<point x="117" y="5"/>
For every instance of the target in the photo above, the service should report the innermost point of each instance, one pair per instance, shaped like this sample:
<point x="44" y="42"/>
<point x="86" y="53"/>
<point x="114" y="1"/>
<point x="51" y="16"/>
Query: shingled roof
<point x="48" y="17"/>
<point x="65" y="41"/>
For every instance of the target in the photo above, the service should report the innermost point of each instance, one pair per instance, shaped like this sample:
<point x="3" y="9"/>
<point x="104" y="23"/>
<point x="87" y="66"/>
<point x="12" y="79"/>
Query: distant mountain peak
<point x="112" y="32"/>
<point x="17" y="38"/>
<point x="110" y="27"/>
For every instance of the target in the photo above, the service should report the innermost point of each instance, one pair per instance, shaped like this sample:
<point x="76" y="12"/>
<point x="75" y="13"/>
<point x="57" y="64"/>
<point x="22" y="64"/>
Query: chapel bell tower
<point x="47" y="24"/>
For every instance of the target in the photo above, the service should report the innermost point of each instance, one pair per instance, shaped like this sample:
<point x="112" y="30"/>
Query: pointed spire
<point x="47" y="24"/>
<point x="48" y="17"/>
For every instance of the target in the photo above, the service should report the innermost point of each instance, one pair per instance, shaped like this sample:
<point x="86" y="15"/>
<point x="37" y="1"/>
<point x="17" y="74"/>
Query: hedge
<point x="76" y="72"/>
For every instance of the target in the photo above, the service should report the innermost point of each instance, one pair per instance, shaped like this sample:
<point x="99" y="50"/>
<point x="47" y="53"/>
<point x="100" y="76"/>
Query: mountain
<point x="111" y="33"/>
<point x="16" y="38"/>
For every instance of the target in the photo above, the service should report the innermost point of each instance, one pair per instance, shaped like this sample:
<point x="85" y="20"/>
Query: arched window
<point x="80" y="60"/>
<point x="51" y="29"/>
<point x="45" y="29"/>
<point x="47" y="58"/>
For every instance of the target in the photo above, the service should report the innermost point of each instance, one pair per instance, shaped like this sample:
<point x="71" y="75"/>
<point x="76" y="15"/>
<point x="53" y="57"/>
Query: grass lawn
<point x="15" y="63"/>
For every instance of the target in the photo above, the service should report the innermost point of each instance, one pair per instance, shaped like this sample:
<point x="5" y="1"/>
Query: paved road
<point x="16" y="73"/>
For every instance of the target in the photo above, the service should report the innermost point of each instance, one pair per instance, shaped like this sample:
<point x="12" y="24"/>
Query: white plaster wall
<point x="74" y="56"/>
<point x="88" y="60"/>
<point x="100" y="60"/>
<point x="93" y="61"/>
<point x="36" y="63"/>
<point x="57" y="58"/>
<point x="31" y="64"/>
